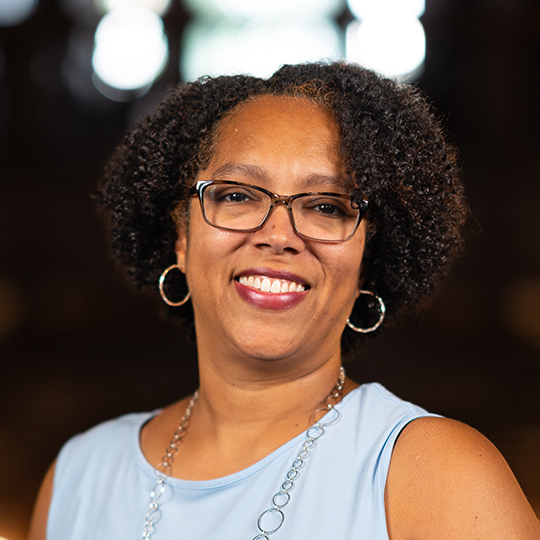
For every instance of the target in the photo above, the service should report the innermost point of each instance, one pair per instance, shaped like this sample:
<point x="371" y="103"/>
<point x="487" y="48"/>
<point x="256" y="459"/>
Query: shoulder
<point x="100" y="448"/>
<point x="446" y="480"/>
<point x="78" y="462"/>
<point x="383" y="415"/>
<point x="440" y="447"/>
<point x="110" y="432"/>
<point x="377" y="400"/>
<point x="38" y="524"/>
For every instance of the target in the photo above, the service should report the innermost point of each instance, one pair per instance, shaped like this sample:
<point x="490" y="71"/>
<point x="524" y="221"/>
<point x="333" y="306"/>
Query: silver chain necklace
<point x="282" y="497"/>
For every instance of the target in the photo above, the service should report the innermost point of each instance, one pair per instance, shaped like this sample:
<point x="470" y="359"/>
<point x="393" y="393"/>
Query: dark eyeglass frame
<point x="201" y="185"/>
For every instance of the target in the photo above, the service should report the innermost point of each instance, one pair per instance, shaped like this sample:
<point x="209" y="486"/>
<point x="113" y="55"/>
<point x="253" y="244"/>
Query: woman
<point x="300" y="209"/>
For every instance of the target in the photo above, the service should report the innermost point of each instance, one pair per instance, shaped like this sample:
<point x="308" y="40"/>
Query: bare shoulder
<point x="38" y="525"/>
<point x="447" y="481"/>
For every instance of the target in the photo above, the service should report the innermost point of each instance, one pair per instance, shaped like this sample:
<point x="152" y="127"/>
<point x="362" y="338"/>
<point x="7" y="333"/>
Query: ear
<point x="180" y="247"/>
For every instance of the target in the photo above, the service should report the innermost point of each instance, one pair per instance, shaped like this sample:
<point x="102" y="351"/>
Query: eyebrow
<point x="309" y="182"/>
<point x="322" y="180"/>
<point x="245" y="168"/>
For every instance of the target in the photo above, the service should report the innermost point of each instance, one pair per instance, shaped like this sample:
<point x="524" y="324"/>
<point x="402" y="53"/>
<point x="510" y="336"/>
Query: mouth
<point x="266" y="288"/>
<point x="271" y="285"/>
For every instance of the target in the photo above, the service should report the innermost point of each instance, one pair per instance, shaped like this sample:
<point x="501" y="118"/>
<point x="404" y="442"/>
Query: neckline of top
<point x="233" y="478"/>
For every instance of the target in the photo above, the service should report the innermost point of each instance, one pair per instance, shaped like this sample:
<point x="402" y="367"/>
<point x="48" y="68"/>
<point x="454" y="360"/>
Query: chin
<point x="269" y="354"/>
<point x="268" y="350"/>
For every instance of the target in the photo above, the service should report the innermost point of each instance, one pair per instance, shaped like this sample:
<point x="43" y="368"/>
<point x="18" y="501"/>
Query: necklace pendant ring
<point x="269" y="512"/>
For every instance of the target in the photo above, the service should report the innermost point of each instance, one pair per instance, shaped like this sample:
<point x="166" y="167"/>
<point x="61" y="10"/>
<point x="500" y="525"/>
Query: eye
<point x="232" y="195"/>
<point x="235" y="197"/>
<point x="329" y="209"/>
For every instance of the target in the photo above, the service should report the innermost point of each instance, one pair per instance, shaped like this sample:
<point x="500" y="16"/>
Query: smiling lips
<point x="270" y="285"/>
<point x="270" y="289"/>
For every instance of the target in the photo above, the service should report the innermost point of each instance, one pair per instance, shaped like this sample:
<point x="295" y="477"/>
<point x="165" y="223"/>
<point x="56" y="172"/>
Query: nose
<point x="278" y="232"/>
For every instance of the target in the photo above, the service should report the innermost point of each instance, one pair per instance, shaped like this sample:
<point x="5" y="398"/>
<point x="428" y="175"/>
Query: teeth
<point x="268" y="285"/>
<point x="276" y="287"/>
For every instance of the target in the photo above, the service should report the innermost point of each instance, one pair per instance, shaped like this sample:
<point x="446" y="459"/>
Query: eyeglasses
<point x="234" y="206"/>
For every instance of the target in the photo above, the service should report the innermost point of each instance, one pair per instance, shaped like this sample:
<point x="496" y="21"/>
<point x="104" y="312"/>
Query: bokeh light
<point x="130" y="48"/>
<point x="256" y="47"/>
<point x="362" y="9"/>
<point x="392" y="46"/>
<point x="160" y="7"/>
<point x="13" y="12"/>
<point x="266" y="10"/>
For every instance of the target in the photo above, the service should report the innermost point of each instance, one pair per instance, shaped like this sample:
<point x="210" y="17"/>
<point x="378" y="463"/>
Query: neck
<point x="262" y="400"/>
<point x="253" y="399"/>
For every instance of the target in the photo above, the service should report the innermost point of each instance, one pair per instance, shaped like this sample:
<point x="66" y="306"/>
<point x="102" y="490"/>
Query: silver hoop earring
<point x="162" y="291"/>
<point x="382" y="313"/>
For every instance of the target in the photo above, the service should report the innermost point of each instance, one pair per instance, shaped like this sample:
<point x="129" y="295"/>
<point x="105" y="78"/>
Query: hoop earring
<point x="382" y="313"/>
<point x="162" y="291"/>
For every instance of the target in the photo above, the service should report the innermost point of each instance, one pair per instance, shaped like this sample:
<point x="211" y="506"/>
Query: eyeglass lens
<point x="243" y="208"/>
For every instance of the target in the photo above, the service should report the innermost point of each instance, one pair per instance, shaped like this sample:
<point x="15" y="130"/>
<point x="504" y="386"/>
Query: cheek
<point x="343" y="270"/>
<point x="203" y="240"/>
<point x="208" y="247"/>
<point x="347" y="259"/>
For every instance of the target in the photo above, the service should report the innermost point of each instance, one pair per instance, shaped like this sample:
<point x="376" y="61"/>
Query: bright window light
<point x="362" y="9"/>
<point x="130" y="48"/>
<point x="159" y="7"/>
<point x="394" y="46"/>
<point x="277" y="9"/>
<point x="13" y="12"/>
<point x="256" y="48"/>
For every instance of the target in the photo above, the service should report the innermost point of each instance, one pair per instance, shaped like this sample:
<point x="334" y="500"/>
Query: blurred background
<point x="78" y="347"/>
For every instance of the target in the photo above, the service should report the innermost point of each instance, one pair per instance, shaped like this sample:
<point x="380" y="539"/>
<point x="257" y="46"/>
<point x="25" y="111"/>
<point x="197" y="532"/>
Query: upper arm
<point x="447" y="481"/>
<point x="38" y="525"/>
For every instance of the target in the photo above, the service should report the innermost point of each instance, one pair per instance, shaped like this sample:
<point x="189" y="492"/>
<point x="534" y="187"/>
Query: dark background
<point x="77" y="347"/>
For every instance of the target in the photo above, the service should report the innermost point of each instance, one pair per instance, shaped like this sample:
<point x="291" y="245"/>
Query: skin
<point x="263" y="371"/>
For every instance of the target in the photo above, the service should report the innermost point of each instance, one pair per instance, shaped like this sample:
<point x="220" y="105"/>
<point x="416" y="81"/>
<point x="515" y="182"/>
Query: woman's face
<point x="287" y="146"/>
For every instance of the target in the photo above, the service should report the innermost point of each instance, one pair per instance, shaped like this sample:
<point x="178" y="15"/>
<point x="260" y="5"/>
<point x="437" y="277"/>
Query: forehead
<point x="278" y="135"/>
<point x="283" y="115"/>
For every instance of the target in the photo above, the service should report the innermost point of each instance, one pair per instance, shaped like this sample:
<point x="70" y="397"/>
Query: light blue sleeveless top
<point x="102" y="482"/>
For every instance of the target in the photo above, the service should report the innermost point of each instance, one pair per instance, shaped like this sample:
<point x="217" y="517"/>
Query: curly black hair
<point x="394" y="149"/>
